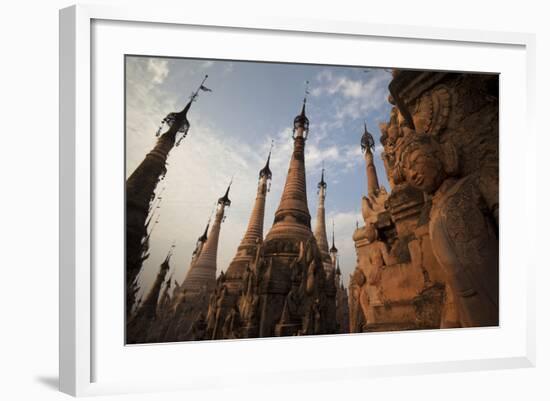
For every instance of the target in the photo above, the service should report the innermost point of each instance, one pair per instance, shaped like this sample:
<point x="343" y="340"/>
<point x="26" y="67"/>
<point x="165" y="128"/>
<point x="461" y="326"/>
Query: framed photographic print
<point x="268" y="198"/>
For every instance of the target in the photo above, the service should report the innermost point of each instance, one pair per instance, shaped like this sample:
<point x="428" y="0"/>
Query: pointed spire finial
<point x="322" y="183"/>
<point x="266" y="171"/>
<point x="367" y="141"/>
<point x="195" y="94"/>
<point x="224" y="200"/>
<point x="333" y="248"/>
<point x="306" y="92"/>
<point x="178" y="122"/>
<point x="301" y="121"/>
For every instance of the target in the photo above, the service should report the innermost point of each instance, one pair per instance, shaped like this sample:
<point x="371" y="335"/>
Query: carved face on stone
<point x="423" y="169"/>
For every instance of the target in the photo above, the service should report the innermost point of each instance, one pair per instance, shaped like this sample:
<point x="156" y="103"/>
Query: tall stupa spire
<point x="202" y="273"/>
<point x="254" y="233"/>
<point x="320" y="226"/>
<point x="288" y="292"/>
<point x="367" y="144"/>
<point x="255" y="229"/>
<point x="293" y="211"/>
<point x="140" y="189"/>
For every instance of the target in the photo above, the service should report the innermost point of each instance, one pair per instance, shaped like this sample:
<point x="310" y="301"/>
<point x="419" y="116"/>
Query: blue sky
<point x="230" y="135"/>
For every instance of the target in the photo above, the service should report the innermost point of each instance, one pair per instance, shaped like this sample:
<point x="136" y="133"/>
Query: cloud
<point x="316" y="155"/>
<point x="352" y="156"/>
<point x="146" y="105"/>
<point x="353" y="97"/>
<point x="159" y="69"/>
<point x="344" y="85"/>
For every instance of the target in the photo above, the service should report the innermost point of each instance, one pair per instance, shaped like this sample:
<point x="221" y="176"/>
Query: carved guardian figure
<point x="463" y="223"/>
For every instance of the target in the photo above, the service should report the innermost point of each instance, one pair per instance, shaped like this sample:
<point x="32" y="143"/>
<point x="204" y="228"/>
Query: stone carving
<point x="463" y="224"/>
<point x="431" y="111"/>
<point x="356" y="316"/>
<point x="377" y="258"/>
<point x="372" y="206"/>
<point x="442" y="220"/>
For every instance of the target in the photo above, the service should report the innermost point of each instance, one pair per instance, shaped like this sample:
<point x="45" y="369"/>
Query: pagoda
<point x="189" y="304"/>
<point x="288" y="292"/>
<point x="225" y="304"/>
<point x="202" y="272"/>
<point x="140" y="192"/>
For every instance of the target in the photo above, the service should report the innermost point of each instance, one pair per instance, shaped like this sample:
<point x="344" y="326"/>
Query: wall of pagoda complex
<point x="406" y="275"/>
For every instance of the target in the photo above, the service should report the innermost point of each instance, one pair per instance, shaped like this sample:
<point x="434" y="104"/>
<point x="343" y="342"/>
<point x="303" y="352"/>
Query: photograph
<point x="269" y="199"/>
<point x="280" y="200"/>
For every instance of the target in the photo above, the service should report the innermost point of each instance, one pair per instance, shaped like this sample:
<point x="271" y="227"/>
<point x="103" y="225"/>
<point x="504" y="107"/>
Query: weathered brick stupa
<point x="428" y="253"/>
<point x="276" y="286"/>
<point x="224" y="305"/>
<point x="291" y="295"/>
<point x="140" y="192"/>
<point x="175" y="311"/>
<point x="200" y="281"/>
<point x="202" y="272"/>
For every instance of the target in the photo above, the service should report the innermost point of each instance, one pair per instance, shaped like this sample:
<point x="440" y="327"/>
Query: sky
<point x="232" y="127"/>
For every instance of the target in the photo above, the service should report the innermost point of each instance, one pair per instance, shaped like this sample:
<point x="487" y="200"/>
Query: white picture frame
<point x="83" y="353"/>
